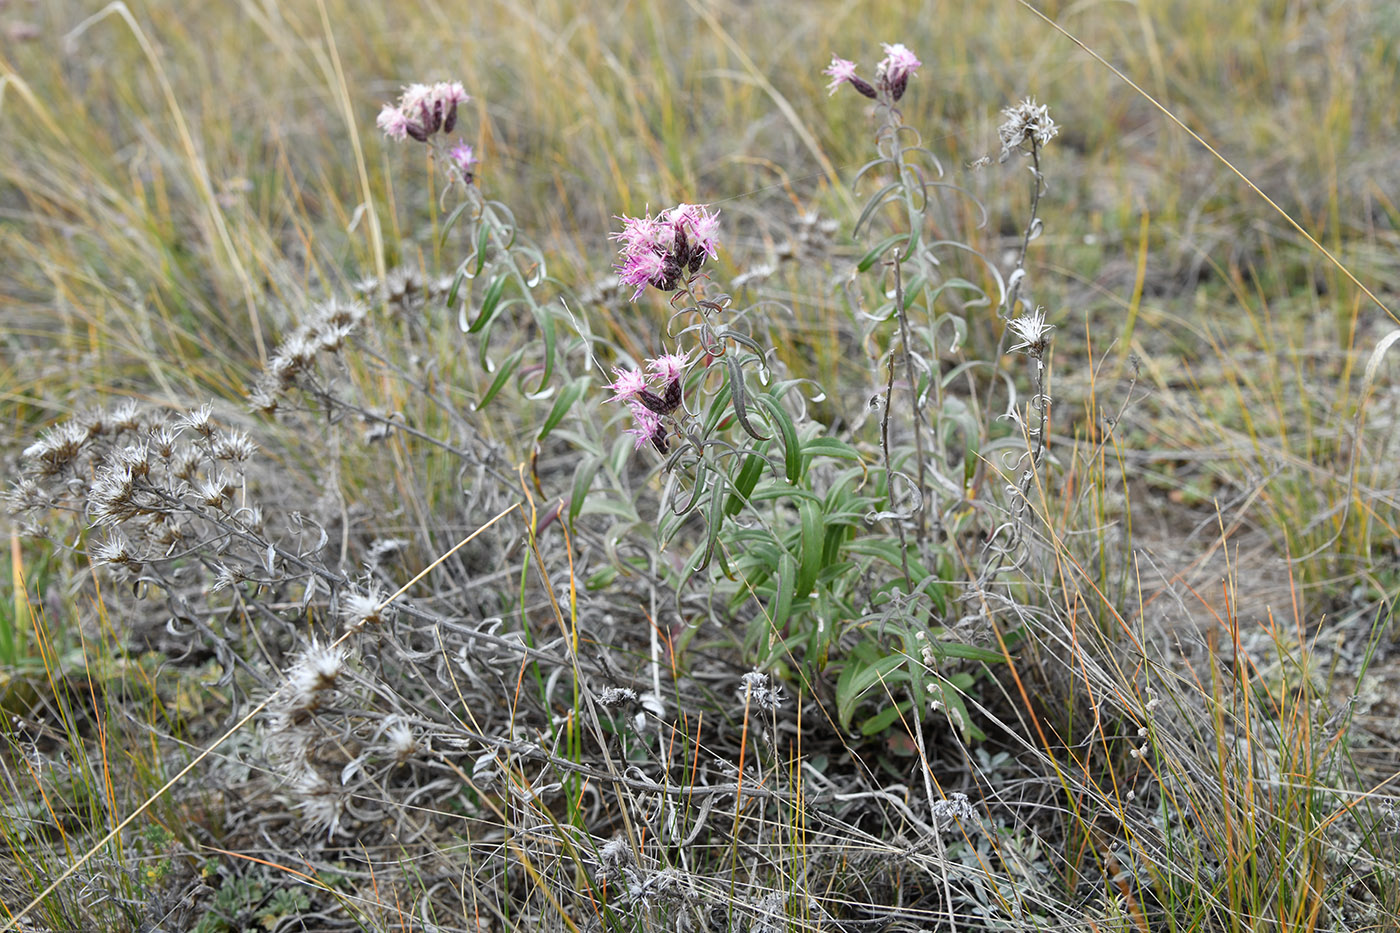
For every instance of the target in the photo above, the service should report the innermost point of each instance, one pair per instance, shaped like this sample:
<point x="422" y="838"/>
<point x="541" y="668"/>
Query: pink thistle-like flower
<point x="446" y="97"/>
<point x="422" y="110"/>
<point x="465" y="160"/>
<point x="670" y="368"/>
<point x="899" y="63"/>
<point x="644" y="233"/>
<point x="393" y="122"/>
<point x="661" y="250"/>
<point x="647" y="427"/>
<point x="451" y="94"/>
<point x="840" y="71"/>
<point x="698" y="224"/>
<point x="627" y="385"/>
<point x="640" y="269"/>
<point x="416" y="103"/>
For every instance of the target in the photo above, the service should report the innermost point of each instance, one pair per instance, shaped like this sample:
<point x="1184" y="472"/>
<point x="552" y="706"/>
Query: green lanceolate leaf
<point x="489" y="301"/>
<point x="857" y="679"/>
<point x="883" y="196"/>
<point x="562" y="404"/>
<point x="483" y="236"/>
<point x="453" y="292"/>
<point x="503" y="375"/>
<point x="829" y="447"/>
<point x="873" y="255"/>
<point x="739" y="396"/>
<point x="787" y="590"/>
<point x="583" y="481"/>
<point x="812" y="541"/>
<point x="451" y="221"/>
<point x="744" y="483"/>
<point x="792" y="449"/>
<point x="884" y="719"/>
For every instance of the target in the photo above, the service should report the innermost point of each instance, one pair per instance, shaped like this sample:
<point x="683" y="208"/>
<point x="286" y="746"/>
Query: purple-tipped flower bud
<point x="464" y="160"/>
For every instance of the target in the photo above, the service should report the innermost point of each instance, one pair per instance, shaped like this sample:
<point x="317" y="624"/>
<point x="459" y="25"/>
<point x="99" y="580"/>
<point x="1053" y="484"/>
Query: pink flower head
<point x="423" y="109"/>
<point x="647" y="428"/>
<point x="627" y="385"/>
<point x="662" y="250"/>
<point x="669" y="367"/>
<point x="416" y="103"/>
<point x="699" y="226"/>
<point x="840" y="71"/>
<point x="899" y="63"/>
<point x="393" y="122"/>
<point x="451" y="94"/>
<point x="446" y="97"/>
<point x="464" y="160"/>
<point x="644" y="233"/>
<point x="640" y="269"/>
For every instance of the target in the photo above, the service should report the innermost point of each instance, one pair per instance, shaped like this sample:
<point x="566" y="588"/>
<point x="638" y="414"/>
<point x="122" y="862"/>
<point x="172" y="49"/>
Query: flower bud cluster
<point x="892" y="74"/>
<point x="662" y="251"/>
<point x="650" y="406"/>
<point x="422" y="110"/>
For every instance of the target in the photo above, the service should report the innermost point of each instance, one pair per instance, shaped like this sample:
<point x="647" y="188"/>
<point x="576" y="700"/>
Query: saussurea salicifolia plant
<point x="788" y="518"/>
<point x="501" y="269"/>
<point x="953" y="535"/>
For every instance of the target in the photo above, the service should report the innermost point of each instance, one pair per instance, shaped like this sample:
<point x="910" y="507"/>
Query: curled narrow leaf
<point x="739" y="396"/>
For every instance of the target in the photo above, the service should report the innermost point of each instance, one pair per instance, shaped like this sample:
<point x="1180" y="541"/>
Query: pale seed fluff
<point x="1031" y="332"/>
<point x="315" y="674"/>
<point x="319" y="805"/>
<point x="954" y="807"/>
<point x="616" y="696"/>
<point x="399" y="740"/>
<point x="364" y="608"/>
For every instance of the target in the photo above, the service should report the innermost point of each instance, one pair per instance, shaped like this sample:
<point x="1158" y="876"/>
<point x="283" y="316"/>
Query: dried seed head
<point x="955" y="807"/>
<point x="200" y="420"/>
<point x="56" y="448"/>
<point x="365" y="608"/>
<point x="1026" y="123"/>
<point x="1032" y="332"/>
<point x="400" y="742"/>
<point x="314" y="675"/>
<point x="126" y="416"/>
<point x="234" y="446"/>
<point x="320" y="805"/>
<point x="616" y="696"/>
<point x="758" y="691"/>
<point x="115" y="549"/>
<point x="216" y="491"/>
<point x="162" y="440"/>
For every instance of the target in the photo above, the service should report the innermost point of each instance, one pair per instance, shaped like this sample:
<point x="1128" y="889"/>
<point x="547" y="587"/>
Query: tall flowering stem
<point x="894" y="141"/>
<point x="1027" y="129"/>
<point x="667" y="252"/>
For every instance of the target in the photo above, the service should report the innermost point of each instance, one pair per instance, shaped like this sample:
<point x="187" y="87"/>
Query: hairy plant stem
<point x="890" y="131"/>
<point x="1013" y="294"/>
<point x="889" y="476"/>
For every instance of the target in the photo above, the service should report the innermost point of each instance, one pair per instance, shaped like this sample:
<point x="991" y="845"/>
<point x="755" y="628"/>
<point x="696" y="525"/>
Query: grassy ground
<point x="1171" y="702"/>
